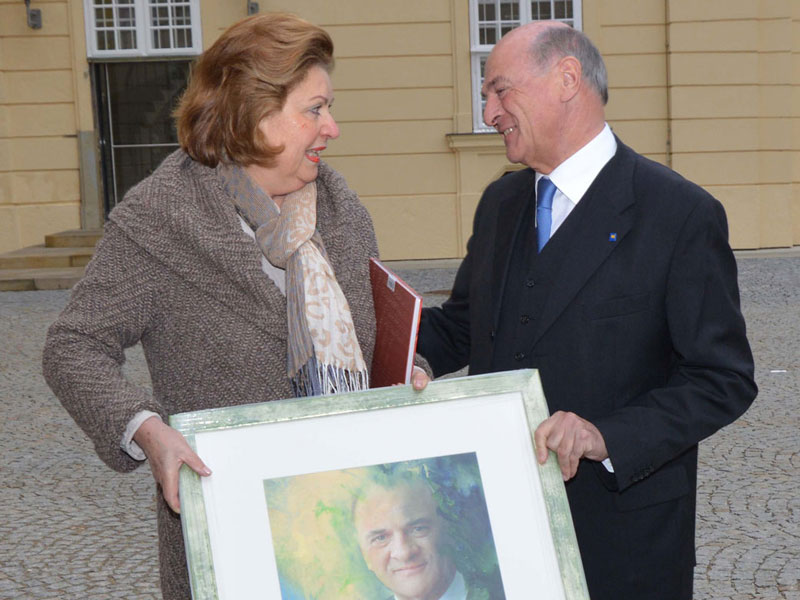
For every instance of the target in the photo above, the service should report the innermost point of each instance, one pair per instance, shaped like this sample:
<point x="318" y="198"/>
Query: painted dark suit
<point x="631" y="314"/>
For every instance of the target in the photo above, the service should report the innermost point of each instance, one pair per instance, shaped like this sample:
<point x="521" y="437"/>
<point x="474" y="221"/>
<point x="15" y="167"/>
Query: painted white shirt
<point x="456" y="591"/>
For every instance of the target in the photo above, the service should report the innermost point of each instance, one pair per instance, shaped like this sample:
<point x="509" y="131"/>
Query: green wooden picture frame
<point x="454" y="402"/>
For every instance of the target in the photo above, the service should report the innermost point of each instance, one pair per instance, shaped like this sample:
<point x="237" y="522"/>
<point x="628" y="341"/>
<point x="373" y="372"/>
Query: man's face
<point x="523" y="103"/>
<point x="400" y="535"/>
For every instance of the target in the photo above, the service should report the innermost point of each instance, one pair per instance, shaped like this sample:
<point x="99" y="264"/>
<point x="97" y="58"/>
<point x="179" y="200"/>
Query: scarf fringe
<point x="316" y="379"/>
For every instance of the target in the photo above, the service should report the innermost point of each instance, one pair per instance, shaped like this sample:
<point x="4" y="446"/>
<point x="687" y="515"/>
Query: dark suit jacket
<point x="640" y="333"/>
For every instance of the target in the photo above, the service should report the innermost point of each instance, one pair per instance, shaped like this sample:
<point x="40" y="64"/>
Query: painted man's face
<point x="400" y="535"/>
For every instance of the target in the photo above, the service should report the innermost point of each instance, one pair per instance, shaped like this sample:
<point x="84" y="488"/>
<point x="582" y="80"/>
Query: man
<point x="630" y="311"/>
<point x="401" y="537"/>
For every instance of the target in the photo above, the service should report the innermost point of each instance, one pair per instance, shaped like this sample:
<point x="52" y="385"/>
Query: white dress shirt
<point x="574" y="176"/>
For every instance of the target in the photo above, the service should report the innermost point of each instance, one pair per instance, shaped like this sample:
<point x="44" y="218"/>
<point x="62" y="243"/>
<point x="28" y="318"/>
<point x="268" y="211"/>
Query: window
<point x="492" y="19"/>
<point x="135" y="28"/>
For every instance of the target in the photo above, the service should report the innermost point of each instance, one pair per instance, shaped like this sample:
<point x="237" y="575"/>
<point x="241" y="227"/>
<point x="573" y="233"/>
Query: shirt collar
<point x="457" y="589"/>
<point x="574" y="176"/>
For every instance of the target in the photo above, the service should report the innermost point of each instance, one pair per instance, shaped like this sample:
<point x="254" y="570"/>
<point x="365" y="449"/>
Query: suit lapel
<point x="252" y="293"/>
<point x="202" y="241"/>
<point x="605" y="221"/>
<point x="198" y="237"/>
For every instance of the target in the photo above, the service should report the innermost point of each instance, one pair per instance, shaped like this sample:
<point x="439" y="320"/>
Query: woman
<point x="219" y="264"/>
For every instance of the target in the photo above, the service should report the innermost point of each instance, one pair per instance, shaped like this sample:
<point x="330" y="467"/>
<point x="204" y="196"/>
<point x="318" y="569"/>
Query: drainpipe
<point x="668" y="54"/>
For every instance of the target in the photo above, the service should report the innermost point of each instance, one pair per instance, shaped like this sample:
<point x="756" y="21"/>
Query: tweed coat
<point x="175" y="271"/>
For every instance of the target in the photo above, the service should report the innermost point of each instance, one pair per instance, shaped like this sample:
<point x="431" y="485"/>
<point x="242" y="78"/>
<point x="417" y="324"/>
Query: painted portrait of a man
<point x="401" y="536"/>
<point x="412" y="530"/>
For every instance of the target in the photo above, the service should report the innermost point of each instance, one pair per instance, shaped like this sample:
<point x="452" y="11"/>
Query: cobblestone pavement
<point x="72" y="528"/>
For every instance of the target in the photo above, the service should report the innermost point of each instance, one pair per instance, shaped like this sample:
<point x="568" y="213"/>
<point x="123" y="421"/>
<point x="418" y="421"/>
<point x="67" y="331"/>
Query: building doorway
<point x="135" y="101"/>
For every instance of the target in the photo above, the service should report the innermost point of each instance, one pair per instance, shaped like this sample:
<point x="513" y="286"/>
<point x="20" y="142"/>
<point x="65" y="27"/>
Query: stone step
<point x="19" y="280"/>
<point x="56" y="265"/>
<point x="76" y="238"/>
<point x="42" y="257"/>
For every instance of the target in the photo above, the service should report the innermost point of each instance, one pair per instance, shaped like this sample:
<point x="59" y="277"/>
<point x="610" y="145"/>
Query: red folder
<point x="397" y="312"/>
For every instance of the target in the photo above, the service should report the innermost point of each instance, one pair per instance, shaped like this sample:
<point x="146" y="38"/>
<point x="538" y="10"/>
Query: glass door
<point x="135" y="101"/>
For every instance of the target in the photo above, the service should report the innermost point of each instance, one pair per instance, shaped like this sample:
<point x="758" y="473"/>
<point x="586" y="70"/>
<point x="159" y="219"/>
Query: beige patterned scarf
<point x="323" y="352"/>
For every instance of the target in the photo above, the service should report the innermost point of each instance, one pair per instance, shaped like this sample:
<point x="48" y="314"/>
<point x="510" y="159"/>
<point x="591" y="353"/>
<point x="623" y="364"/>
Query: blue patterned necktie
<point x="545" y="190"/>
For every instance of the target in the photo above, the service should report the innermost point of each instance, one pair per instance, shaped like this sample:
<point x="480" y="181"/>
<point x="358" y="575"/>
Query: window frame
<point x="479" y="51"/>
<point x="143" y="29"/>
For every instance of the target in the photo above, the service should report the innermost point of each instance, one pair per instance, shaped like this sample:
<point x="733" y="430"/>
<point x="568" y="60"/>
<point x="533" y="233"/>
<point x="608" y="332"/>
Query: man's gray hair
<point x="558" y="42"/>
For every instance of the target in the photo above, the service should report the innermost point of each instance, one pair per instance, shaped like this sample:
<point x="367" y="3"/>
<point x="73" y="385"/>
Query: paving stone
<point x="72" y="528"/>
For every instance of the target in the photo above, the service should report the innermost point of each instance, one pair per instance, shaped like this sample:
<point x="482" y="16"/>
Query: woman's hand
<point x="419" y="379"/>
<point x="167" y="450"/>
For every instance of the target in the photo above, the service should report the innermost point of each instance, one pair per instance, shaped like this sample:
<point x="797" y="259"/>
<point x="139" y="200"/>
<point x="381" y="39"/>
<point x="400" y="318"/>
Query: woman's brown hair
<point x="242" y="78"/>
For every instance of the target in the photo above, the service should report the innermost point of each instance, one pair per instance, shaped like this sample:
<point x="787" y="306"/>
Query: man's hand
<point x="167" y="450"/>
<point x="419" y="379"/>
<point x="571" y="438"/>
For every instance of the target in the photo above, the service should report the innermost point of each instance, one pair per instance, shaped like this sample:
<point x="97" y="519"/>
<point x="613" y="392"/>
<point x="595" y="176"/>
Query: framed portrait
<point x="380" y="494"/>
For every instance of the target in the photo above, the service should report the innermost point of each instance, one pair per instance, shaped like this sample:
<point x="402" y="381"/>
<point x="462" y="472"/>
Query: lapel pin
<point x="612" y="237"/>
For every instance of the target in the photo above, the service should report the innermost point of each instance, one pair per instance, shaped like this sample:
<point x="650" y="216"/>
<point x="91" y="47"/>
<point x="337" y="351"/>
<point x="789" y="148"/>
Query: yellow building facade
<point x="711" y="89"/>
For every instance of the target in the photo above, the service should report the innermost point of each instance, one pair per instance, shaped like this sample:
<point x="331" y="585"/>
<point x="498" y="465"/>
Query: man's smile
<point x="410" y="570"/>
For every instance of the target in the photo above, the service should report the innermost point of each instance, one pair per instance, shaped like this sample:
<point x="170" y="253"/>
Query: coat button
<point x="519" y="356"/>
<point x="529" y="283"/>
<point x="524" y="319"/>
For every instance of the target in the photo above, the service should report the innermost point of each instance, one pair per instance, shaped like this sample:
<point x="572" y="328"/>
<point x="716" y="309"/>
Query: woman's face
<point x="303" y="127"/>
